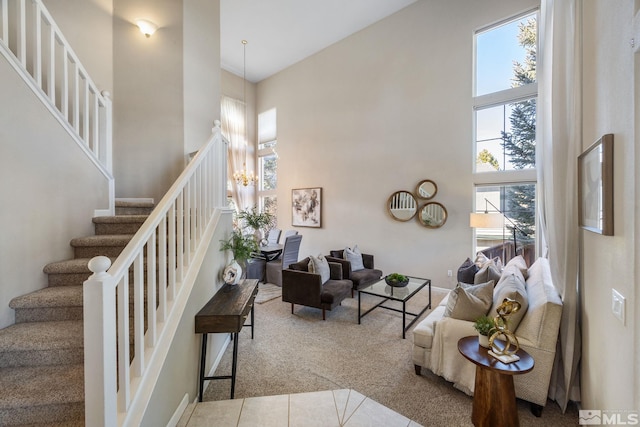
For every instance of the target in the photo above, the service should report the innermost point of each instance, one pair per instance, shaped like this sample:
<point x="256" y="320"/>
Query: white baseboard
<point x="102" y="212"/>
<point x="135" y="199"/>
<point x="175" y="419"/>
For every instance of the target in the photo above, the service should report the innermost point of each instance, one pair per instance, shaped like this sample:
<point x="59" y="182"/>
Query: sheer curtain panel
<point x="559" y="144"/>
<point x="234" y="129"/>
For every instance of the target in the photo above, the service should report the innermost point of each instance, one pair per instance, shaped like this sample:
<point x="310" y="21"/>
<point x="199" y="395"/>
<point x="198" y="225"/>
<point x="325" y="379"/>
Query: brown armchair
<point x="299" y="286"/>
<point x="360" y="278"/>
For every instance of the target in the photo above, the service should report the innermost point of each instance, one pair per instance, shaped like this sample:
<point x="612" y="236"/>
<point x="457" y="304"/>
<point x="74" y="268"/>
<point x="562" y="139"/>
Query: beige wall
<point x="180" y="371"/>
<point x="378" y="112"/>
<point x="166" y="90"/>
<point x="148" y="103"/>
<point x="87" y="26"/>
<point x="201" y="71"/>
<point x="609" y="359"/>
<point x="49" y="190"/>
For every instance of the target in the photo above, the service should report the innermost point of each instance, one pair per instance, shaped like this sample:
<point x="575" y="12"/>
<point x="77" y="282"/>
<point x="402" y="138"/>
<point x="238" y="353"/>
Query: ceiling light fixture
<point x="243" y="176"/>
<point x="146" y="27"/>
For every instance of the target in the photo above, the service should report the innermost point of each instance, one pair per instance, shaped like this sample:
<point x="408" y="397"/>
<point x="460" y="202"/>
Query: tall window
<point x="267" y="162"/>
<point x="504" y="103"/>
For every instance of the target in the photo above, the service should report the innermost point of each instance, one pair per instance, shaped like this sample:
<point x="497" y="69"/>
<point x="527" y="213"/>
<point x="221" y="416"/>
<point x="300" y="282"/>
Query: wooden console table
<point x="494" y="398"/>
<point x="226" y="312"/>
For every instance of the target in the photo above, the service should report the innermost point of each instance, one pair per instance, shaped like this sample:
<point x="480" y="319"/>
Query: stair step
<point x="119" y="224"/>
<point x="41" y="344"/>
<point x="106" y="245"/>
<point x="54" y="303"/>
<point x="42" y="394"/>
<point x="68" y="272"/>
<point x="133" y="208"/>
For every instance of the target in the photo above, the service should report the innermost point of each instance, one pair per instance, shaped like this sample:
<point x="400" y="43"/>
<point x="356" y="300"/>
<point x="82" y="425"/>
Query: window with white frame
<point x="504" y="102"/>
<point x="267" y="162"/>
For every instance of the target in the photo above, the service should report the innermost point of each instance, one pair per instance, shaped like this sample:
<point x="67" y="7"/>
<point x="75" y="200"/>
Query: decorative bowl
<point x="396" y="283"/>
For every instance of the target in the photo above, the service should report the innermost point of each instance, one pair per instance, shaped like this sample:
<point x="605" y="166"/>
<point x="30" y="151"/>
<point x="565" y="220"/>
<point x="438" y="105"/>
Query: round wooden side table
<point x="494" y="398"/>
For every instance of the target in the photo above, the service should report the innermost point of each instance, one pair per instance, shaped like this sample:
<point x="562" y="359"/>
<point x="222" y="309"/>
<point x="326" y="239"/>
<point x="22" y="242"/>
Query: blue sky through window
<point x="496" y="49"/>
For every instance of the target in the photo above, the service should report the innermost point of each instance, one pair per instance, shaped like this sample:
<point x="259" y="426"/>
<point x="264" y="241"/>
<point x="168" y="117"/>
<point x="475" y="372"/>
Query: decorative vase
<point x="483" y="340"/>
<point x="395" y="283"/>
<point x="232" y="273"/>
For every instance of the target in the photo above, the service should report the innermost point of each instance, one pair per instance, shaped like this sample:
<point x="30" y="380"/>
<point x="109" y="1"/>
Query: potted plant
<point x="259" y="222"/>
<point x="241" y="247"/>
<point x="485" y="327"/>
<point x="396" y="279"/>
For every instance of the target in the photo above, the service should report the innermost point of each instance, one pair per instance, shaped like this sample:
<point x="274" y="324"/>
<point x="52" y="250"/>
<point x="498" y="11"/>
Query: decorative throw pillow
<point x="481" y="259"/>
<point x="354" y="257"/>
<point x="320" y="265"/>
<point x="519" y="263"/>
<point x="511" y="286"/>
<point x="468" y="302"/>
<point x="467" y="271"/>
<point x="489" y="271"/>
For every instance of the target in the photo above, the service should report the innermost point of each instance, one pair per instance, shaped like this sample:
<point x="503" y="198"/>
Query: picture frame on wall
<point x="595" y="187"/>
<point x="306" y="207"/>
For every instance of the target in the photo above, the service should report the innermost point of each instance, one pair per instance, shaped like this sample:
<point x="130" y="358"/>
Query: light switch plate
<point x="617" y="305"/>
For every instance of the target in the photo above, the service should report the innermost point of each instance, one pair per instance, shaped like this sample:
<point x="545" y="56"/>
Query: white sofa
<point x="435" y="340"/>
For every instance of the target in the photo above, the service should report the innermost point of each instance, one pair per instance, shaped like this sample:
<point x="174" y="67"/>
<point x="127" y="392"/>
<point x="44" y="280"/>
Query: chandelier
<point x="245" y="177"/>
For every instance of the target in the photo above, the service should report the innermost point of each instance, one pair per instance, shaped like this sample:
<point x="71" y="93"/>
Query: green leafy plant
<point x="256" y="220"/>
<point x="240" y="246"/>
<point x="484" y="325"/>
<point x="396" y="277"/>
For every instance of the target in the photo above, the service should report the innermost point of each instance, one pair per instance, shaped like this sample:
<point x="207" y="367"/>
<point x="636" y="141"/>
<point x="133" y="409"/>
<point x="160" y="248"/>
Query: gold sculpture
<point x="504" y="310"/>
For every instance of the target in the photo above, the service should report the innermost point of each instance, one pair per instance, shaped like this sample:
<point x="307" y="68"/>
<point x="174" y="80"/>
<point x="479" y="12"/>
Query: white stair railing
<point x="33" y="44"/>
<point x="179" y="228"/>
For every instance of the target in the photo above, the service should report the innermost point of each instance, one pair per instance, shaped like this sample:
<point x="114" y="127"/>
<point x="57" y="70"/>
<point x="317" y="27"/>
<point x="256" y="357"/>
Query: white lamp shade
<point x="486" y="220"/>
<point x="146" y="27"/>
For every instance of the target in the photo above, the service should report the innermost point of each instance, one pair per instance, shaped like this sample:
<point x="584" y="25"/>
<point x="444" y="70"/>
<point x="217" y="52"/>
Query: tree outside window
<point x="506" y="128"/>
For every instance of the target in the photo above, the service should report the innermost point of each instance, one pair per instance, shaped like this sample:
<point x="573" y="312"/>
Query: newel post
<point x="99" y="297"/>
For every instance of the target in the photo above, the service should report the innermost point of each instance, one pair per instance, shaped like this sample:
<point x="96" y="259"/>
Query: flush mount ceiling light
<point x="146" y="27"/>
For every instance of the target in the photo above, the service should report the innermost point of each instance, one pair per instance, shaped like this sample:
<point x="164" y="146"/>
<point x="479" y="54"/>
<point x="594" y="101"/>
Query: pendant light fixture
<point x="243" y="176"/>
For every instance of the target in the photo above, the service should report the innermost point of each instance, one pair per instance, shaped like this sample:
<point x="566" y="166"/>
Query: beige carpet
<point x="294" y="353"/>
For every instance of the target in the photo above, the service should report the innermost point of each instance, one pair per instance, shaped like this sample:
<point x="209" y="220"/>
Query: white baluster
<point x="38" y="45"/>
<point x="5" y="21"/>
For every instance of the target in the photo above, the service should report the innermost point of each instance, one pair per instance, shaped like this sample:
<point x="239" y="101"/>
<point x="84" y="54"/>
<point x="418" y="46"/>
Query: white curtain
<point x="234" y="129"/>
<point x="559" y="144"/>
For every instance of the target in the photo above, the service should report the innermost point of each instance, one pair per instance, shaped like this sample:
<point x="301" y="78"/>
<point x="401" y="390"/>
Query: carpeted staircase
<point x="41" y="355"/>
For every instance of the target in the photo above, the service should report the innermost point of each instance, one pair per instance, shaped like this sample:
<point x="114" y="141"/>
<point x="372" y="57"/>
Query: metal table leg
<point x="203" y="358"/>
<point x="234" y="364"/>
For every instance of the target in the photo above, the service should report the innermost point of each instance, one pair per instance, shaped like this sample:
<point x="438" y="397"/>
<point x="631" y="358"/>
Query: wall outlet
<point x="617" y="305"/>
<point x="449" y="273"/>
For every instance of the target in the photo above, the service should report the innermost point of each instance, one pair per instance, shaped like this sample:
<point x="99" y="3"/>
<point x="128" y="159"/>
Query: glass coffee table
<point x="390" y="293"/>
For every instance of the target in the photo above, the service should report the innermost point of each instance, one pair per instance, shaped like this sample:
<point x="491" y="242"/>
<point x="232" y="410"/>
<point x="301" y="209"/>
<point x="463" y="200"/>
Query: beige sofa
<point x="436" y="338"/>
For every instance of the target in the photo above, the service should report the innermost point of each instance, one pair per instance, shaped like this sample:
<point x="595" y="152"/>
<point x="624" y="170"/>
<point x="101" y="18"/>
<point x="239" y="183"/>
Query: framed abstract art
<point x="306" y="207"/>
<point x="595" y="187"/>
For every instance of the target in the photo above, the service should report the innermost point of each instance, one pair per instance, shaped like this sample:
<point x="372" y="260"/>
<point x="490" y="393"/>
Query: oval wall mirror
<point x="426" y="189"/>
<point x="432" y="215"/>
<point x="402" y="206"/>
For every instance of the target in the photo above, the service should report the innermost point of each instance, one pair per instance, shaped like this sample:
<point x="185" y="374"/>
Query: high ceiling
<point x="282" y="32"/>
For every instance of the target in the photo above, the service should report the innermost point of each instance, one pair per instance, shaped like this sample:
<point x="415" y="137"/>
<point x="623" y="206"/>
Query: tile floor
<point x="333" y="408"/>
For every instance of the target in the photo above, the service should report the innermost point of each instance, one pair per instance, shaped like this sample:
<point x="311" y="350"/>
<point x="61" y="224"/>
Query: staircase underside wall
<point x="179" y="375"/>
<point x="48" y="187"/>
